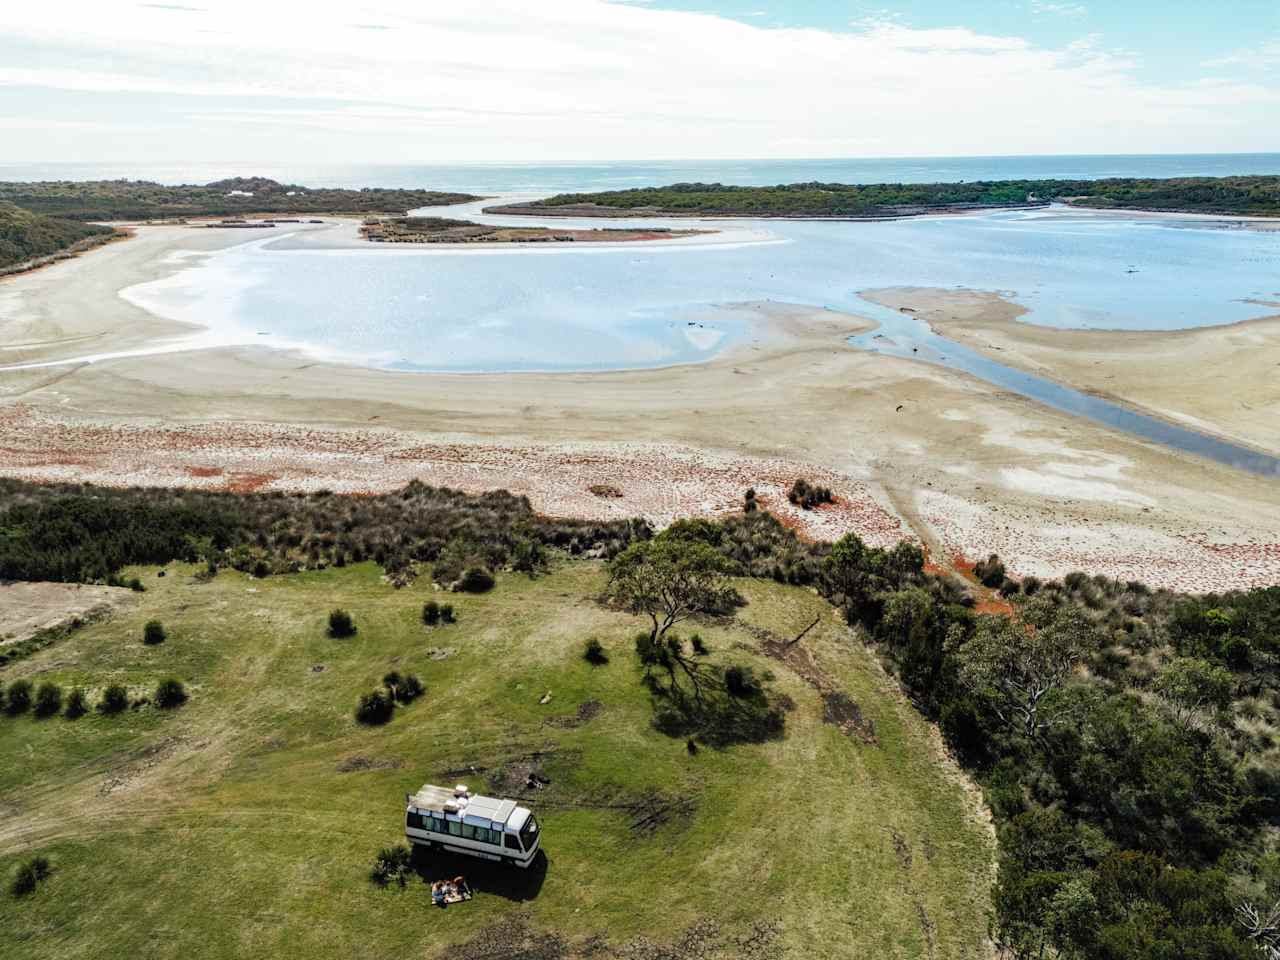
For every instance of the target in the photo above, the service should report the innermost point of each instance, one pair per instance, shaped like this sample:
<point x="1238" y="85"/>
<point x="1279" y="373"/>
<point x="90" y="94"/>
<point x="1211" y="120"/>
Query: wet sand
<point x="909" y="449"/>
<point x="1223" y="380"/>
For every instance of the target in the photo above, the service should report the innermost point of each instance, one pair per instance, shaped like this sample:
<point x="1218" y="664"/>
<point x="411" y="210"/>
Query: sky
<point x="506" y="81"/>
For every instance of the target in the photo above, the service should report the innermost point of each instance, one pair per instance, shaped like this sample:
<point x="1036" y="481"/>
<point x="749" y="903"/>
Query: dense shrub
<point x="72" y="532"/>
<point x="18" y="699"/>
<point x="114" y="699"/>
<point x="593" y="653"/>
<point x="170" y="693"/>
<point x="154" y="633"/>
<point x="48" y="699"/>
<point x="446" y="613"/>
<point x="77" y="704"/>
<point x="341" y="624"/>
<point x="431" y="613"/>
<point x="476" y="580"/>
<point x="30" y="875"/>
<point x="375" y="708"/>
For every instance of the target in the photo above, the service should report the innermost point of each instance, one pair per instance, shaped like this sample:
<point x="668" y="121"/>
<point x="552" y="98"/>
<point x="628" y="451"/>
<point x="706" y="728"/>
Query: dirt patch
<point x="605" y="491"/>
<point x="655" y="810"/>
<point x="586" y="713"/>
<point x="519" y="776"/>
<point x="136" y="764"/>
<point x="441" y="653"/>
<point x="358" y="764"/>
<point x="29" y="608"/>
<point x="706" y="940"/>
<point x="839" y="709"/>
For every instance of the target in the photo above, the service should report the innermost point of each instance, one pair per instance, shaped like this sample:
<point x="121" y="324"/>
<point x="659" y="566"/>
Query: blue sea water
<point x="573" y="177"/>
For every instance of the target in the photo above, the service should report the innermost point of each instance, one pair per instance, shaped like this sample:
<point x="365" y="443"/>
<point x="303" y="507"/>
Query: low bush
<point x="77" y="704"/>
<point x="528" y="556"/>
<point x="392" y="865"/>
<point x="30" y="875"/>
<point x="410" y="689"/>
<point x="170" y="693"/>
<point x="593" y="653"/>
<point x="341" y="624"/>
<point x="699" y="646"/>
<point x="807" y="495"/>
<point x="114" y="699"/>
<point x="990" y="572"/>
<point x="18" y="698"/>
<point x="375" y="708"/>
<point x="136" y="585"/>
<point x="476" y="580"/>
<point x="154" y="633"/>
<point x="48" y="699"/>
<point x="446" y="613"/>
<point x="431" y="613"/>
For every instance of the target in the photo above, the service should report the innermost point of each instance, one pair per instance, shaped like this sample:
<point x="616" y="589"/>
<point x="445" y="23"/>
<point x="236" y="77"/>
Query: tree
<point x="1018" y="665"/>
<point x="669" y="579"/>
<point x="1193" y="688"/>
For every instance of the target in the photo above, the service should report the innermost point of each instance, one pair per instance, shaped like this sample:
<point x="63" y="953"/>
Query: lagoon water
<point x="574" y="307"/>
<point x="567" y="307"/>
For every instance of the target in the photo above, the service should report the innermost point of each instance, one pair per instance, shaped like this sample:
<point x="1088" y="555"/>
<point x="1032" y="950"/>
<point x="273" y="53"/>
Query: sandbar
<point x="1223" y="380"/>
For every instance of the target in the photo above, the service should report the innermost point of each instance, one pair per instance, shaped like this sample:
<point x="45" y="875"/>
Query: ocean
<point x="515" y="178"/>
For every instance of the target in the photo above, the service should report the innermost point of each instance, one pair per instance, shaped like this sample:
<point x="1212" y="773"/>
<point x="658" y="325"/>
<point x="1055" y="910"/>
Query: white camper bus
<point x="462" y="822"/>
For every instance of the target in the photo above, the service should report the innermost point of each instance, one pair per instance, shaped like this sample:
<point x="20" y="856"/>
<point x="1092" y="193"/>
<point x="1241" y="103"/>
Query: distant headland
<point x="1240" y="196"/>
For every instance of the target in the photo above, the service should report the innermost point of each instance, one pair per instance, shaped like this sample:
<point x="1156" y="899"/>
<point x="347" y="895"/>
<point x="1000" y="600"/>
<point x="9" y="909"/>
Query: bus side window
<point x="455" y="828"/>
<point x="415" y="821"/>
<point x="509" y="841"/>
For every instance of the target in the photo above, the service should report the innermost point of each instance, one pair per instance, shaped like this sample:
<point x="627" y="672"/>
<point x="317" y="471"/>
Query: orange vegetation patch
<point x="248" y="482"/>
<point x="994" y="605"/>
<point x="204" y="471"/>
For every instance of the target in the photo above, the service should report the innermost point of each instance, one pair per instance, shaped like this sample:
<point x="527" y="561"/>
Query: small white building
<point x="462" y="822"/>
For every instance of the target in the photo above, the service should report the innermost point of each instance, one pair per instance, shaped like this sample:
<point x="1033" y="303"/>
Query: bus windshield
<point x="529" y="833"/>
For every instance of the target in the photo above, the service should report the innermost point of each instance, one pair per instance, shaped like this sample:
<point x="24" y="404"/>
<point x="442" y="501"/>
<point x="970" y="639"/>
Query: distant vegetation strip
<point x="1254" y="196"/>
<point x="445" y="230"/>
<point x="27" y="237"/>
<point x="144" y="200"/>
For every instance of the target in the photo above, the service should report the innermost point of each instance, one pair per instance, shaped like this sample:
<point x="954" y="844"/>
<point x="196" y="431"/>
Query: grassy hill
<point x="245" y="822"/>
<point x="1255" y="195"/>
<point x="143" y="200"/>
<point x="27" y="236"/>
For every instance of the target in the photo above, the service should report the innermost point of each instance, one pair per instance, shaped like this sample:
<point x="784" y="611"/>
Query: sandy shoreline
<point x="910" y="449"/>
<point x="1220" y="380"/>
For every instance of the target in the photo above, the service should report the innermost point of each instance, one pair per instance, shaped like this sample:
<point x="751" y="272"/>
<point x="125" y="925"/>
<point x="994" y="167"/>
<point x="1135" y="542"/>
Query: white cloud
<point x="509" y="80"/>
<point x="1258" y="57"/>
<point x="1050" y="8"/>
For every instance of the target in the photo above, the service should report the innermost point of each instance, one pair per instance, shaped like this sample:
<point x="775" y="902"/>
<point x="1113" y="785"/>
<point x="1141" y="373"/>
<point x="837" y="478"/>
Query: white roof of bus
<point x="431" y="797"/>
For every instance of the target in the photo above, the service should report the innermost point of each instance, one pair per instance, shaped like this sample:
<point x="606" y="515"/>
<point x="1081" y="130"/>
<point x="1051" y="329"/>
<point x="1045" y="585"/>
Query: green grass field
<point x="245" y="822"/>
